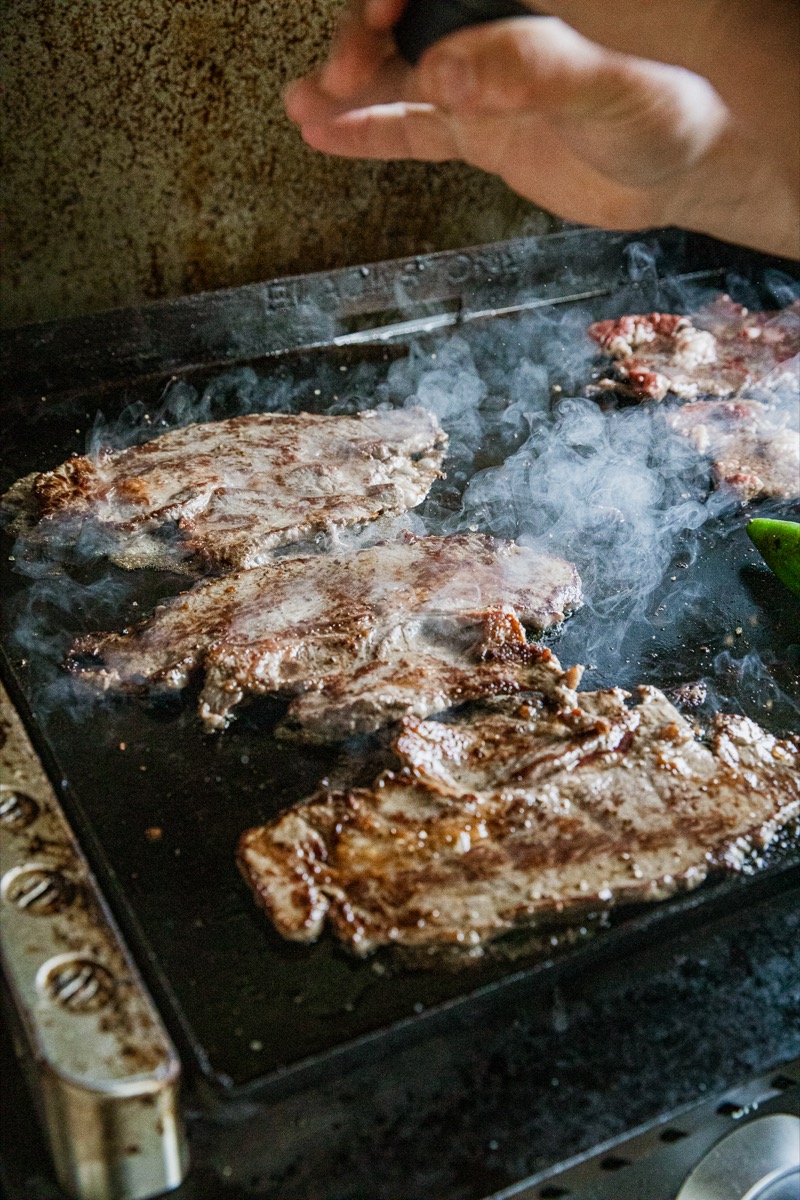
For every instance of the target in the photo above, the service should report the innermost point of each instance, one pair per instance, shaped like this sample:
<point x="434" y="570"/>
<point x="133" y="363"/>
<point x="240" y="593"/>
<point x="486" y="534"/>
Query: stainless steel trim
<point x="102" y="1063"/>
<point x="748" y="1161"/>
<point x="463" y="316"/>
<point x="654" y="1161"/>
<point x="243" y="324"/>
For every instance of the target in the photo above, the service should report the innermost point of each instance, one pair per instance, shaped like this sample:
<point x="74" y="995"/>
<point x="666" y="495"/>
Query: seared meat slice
<point x="426" y="666"/>
<point x="721" y="350"/>
<point x="754" y="449"/>
<point x="522" y="815"/>
<point x="222" y="495"/>
<point x="409" y="626"/>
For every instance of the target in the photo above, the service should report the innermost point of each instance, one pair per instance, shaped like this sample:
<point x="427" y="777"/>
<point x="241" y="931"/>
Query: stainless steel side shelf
<point x="743" y="1144"/>
<point x="105" y="1071"/>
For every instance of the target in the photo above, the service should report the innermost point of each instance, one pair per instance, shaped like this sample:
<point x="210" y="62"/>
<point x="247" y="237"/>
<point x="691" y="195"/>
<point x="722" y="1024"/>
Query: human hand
<point x="587" y="132"/>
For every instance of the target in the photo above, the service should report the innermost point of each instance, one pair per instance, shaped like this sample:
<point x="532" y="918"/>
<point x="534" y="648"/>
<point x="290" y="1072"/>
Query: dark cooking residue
<point x="669" y="578"/>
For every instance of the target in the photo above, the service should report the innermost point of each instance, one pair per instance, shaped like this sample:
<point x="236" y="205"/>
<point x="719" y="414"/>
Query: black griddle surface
<point x="159" y="805"/>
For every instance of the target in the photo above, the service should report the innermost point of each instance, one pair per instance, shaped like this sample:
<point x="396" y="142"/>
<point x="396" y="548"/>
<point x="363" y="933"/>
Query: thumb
<point x="536" y="63"/>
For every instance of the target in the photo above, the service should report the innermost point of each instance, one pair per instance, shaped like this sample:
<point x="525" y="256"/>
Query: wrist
<point x="740" y="193"/>
<point x="748" y="49"/>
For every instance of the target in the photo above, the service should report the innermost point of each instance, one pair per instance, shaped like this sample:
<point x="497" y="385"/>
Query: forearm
<point x="748" y="49"/>
<point x="735" y="194"/>
<point x="577" y="125"/>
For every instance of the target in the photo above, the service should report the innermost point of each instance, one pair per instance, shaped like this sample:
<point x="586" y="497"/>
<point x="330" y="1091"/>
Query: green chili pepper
<point x="778" y="543"/>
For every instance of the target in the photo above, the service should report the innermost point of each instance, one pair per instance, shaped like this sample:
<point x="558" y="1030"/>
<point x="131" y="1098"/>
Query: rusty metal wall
<point x="147" y="154"/>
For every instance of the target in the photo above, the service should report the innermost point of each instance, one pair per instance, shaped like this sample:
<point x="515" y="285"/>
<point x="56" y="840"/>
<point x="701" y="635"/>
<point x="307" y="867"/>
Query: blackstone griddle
<point x="157" y="806"/>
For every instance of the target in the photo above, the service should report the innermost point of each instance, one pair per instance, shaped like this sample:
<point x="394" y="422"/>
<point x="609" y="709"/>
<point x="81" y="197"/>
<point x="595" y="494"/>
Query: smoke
<point x="607" y="490"/>
<point x="232" y="394"/>
<point x="611" y="490"/>
<point x="529" y="459"/>
<point x="47" y="615"/>
<point x="748" y="686"/>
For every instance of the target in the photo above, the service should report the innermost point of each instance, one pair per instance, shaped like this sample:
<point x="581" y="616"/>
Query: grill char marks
<point x="522" y="814"/>
<point x="355" y="639"/>
<point x="221" y="496"/>
<point x="432" y="665"/>
<point x="720" y="350"/>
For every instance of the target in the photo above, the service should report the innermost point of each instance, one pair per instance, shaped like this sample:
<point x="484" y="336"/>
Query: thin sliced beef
<point x="521" y="814"/>
<point x="754" y="448"/>
<point x="357" y="639"/>
<point x="222" y="496"/>
<point x="721" y="350"/>
<point x="426" y="667"/>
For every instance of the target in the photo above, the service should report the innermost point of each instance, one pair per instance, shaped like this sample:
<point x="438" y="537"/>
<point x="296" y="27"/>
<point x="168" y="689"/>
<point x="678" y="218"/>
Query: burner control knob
<point x="39" y="890"/>
<point x="78" y="984"/>
<point x="759" y="1161"/>
<point x="17" y="810"/>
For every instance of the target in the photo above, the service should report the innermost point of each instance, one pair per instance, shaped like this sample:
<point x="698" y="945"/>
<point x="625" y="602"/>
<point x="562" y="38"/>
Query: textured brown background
<point x="146" y="154"/>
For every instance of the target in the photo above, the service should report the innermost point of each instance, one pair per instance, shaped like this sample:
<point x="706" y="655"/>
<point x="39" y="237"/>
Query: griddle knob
<point x="18" y="810"/>
<point x="759" y="1161"/>
<point x="423" y="22"/>
<point x="38" y="889"/>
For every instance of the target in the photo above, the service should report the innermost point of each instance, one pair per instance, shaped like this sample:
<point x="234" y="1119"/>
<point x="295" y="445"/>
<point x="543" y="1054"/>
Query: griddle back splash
<point x="493" y="340"/>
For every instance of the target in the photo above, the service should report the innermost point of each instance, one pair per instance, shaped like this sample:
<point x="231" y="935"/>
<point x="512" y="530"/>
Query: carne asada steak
<point x="358" y="639"/>
<point x="754" y="450"/>
<point x="222" y="495"/>
<point x="522" y="814"/>
<point x="720" y="350"/>
<point x="427" y="666"/>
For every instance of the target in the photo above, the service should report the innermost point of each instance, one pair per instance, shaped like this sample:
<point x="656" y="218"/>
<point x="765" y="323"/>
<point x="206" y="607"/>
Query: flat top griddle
<point x="159" y="805"/>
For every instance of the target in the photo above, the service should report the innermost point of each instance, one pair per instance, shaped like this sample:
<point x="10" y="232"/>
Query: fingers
<point x="637" y="122"/>
<point x="526" y="153"/>
<point x="544" y="65"/>
<point x="388" y="131"/>
<point x="361" y="48"/>
<point x="357" y="54"/>
<point x="308" y="101"/>
<point x="747" y="49"/>
<point x="505" y="66"/>
<point x="383" y="14"/>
